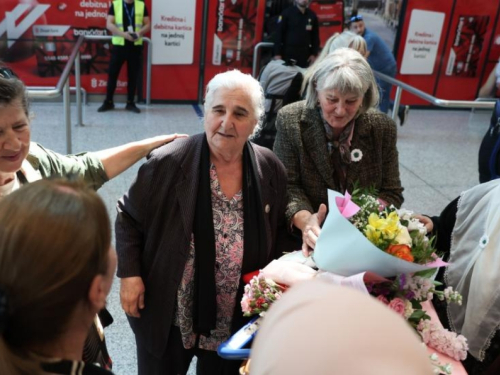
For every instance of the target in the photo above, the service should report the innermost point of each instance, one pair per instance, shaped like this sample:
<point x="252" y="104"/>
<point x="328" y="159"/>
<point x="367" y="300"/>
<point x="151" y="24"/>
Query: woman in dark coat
<point x="202" y="212"/>
<point x="335" y="139"/>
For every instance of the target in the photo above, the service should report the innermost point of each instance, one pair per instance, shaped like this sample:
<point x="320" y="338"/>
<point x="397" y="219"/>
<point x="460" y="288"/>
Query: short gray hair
<point x="234" y="79"/>
<point x="345" y="70"/>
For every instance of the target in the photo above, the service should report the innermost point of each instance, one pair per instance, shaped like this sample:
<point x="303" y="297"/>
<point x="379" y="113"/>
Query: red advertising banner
<point x="36" y="39"/>
<point x="461" y="52"/>
<point x="234" y="28"/>
<point x="464" y="54"/>
<point x="330" y="16"/>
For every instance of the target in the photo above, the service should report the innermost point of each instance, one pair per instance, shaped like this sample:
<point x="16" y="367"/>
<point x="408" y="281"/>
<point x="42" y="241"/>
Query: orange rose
<point x="401" y="252"/>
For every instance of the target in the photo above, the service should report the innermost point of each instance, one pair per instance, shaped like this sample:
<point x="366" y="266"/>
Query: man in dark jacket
<point x="297" y="35"/>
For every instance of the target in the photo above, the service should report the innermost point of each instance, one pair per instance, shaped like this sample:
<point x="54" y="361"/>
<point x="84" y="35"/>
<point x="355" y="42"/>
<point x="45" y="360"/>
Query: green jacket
<point x="51" y="164"/>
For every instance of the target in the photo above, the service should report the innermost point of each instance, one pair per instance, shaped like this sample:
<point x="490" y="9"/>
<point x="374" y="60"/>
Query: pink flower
<point x="398" y="305"/>
<point x="382" y="299"/>
<point x="245" y="305"/>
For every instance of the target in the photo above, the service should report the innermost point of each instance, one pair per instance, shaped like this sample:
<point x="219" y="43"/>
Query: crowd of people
<point x="207" y="209"/>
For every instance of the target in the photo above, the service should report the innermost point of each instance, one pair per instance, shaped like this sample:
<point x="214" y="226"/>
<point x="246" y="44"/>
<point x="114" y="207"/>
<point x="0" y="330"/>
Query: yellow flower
<point x="386" y="225"/>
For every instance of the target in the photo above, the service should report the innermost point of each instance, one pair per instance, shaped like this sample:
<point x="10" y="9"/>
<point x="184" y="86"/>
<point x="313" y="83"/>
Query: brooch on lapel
<point x="356" y="155"/>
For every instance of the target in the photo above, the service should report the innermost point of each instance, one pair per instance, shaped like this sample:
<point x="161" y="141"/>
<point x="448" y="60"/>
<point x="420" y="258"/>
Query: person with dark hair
<point x="297" y="34"/>
<point x="202" y="213"/>
<point x="23" y="161"/>
<point x="382" y="60"/>
<point x="55" y="275"/>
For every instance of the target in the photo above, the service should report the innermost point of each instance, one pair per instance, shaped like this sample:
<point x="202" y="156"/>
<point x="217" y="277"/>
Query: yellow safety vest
<point x="138" y="16"/>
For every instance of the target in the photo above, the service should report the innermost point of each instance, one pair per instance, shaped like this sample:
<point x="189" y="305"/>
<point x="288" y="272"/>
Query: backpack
<point x="489" y="151"/>
<point x="281" y="83"/>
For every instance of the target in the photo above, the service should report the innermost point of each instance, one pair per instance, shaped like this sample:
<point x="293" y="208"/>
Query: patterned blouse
<point x="228" y="228"/>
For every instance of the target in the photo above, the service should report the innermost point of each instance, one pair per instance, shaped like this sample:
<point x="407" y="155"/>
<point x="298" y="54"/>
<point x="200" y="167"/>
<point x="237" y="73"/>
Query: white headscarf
<point x="317" y="328"/>
<point x="474" y="269"/>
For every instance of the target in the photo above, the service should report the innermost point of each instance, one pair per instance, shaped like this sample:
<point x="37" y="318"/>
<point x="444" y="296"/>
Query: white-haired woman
<point x="202" y="212"/>
<point x="333" y="140"/>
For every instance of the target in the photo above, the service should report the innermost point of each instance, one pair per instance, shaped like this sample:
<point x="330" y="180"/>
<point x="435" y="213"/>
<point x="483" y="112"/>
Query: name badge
<point x="130" y="29"/>
<point x="309" y="27"/>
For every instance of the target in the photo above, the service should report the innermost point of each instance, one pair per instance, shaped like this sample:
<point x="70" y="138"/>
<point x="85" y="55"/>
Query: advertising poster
<point x="422" y="41"/>
<point x="468" y="41"/>
<point x="330" y="17"/>
<point x="37" y="37"/>
<point x="172" y="31"/>
<point x="235" y="33"/>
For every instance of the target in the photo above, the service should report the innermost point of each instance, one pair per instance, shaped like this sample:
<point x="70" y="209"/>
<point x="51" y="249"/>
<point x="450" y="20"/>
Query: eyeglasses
<point x="7" y="73"/>
<point x="356" y="18"/>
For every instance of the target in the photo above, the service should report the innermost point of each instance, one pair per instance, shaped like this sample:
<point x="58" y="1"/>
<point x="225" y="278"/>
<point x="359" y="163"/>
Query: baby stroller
<point x="281" y="82"/>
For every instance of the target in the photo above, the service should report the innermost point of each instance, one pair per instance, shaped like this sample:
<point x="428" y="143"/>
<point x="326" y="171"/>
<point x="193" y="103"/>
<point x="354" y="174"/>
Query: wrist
<point x="301" y="218"/>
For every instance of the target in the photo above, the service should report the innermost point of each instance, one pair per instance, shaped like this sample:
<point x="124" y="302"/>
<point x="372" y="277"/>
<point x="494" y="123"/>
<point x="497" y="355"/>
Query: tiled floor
<point x="438" y="159"/>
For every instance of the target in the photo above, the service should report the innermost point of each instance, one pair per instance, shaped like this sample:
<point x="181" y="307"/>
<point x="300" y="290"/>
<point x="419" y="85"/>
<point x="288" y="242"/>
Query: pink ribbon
<point x="346" y="206"/>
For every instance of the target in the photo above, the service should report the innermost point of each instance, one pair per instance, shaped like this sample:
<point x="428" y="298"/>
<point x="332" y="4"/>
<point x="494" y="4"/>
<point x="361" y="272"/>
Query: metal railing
<point x="256" y="56"/>
<point x="148" y="64"/>
<point x="63" y="87"/>
<point x="400" y="86"/>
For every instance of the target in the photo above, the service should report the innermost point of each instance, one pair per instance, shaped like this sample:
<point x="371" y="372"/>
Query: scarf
<point x="474" y="266"/>
<point x="255" y="239"/>
<point x="339" y="151"/>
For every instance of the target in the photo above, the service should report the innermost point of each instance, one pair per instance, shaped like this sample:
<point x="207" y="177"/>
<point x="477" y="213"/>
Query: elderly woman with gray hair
<point x="202" y="212"/>
<point x="334" y="140"/>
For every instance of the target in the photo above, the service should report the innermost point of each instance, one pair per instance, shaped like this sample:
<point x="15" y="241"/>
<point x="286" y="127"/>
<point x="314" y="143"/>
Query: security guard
<point x="128" y="21"/>
<point x="297" y="35"/>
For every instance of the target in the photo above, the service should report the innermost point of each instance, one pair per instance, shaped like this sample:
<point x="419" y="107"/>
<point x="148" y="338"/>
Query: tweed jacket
<point x="155" y="221"/>
<point x="302" y="147"/>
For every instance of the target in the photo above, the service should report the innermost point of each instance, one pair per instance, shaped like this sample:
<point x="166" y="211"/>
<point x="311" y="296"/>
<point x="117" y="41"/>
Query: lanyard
<point x="130" y="16"/>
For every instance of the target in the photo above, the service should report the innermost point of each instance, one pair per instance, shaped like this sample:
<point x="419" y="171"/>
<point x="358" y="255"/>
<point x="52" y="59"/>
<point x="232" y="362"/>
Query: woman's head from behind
<point x="234" y="105"/>
<point x="343" y="331"/>
<point x="347" y="39"/>
<point x="14" y="126"/>
<point x="56" y="266"/>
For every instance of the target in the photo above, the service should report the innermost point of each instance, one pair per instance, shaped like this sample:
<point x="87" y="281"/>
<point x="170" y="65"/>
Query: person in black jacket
<point x="297" y="35"/>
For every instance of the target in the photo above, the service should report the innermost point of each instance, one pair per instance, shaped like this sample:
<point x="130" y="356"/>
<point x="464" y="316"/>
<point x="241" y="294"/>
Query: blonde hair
<point x="347" y="71"/>
<point x="54" y="239"/>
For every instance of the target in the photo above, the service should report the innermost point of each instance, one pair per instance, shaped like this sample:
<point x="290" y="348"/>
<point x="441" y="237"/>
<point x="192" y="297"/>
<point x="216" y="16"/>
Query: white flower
<point x="484" y="241"/>
<point x="356" y="155"/>
<point x="403" y="237"/>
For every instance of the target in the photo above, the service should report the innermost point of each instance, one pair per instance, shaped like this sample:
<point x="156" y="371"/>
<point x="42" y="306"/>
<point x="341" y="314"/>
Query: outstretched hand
<point x="312" y="230"/>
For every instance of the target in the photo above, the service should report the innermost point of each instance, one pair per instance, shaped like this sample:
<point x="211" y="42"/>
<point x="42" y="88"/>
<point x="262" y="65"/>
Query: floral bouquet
<point x="259" y="294"/>
<point x="405" y="295"/>
<point x="360" y="234"/>
<point x="396" y="232"/>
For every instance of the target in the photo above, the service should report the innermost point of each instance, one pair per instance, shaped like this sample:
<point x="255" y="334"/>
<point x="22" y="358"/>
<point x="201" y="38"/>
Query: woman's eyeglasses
<point x="7" y="73"/>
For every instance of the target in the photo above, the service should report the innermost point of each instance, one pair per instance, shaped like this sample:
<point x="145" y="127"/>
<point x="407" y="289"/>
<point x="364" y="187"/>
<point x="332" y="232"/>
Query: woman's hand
<point x="427" y="221"/>
<point x="132" y="295"/>
<point x="312" y="229"/>
<point x="150" y="144"/>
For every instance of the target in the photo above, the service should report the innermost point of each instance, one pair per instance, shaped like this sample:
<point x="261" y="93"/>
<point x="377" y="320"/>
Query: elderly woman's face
<point x="14" y="137"/>
<point x="338" y="110"/>
<point x="230" y="121"/>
